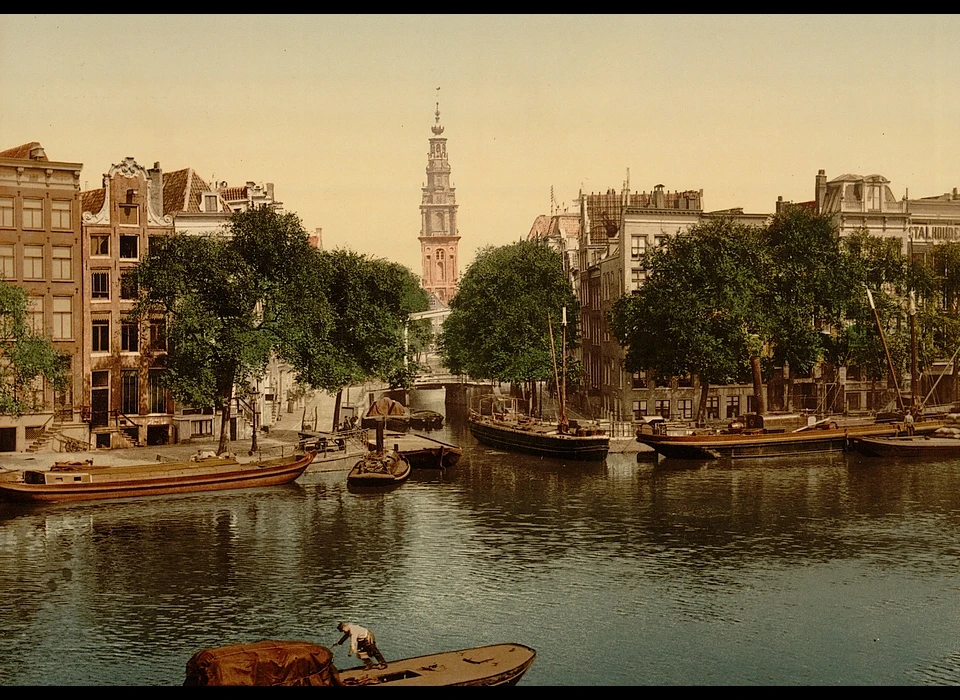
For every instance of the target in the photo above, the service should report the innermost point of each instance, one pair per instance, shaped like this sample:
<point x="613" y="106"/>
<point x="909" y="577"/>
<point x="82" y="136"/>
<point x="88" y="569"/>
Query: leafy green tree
<point x="698" y="312"/>
<point x="230" y="299"/>
<point x="500" y="318"/>
<point x="24" y="357"/>
<point x="370" y="300"/>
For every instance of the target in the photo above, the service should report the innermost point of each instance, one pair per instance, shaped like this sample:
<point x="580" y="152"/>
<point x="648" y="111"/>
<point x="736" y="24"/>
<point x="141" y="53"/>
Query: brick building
<point x="40" y="251"/>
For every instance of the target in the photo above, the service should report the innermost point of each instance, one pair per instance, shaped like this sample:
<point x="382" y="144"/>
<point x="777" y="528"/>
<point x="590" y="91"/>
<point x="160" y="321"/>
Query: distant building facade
<point x="439" y="236"/>
<point x="616" y="231"/>
<point x="40" y="251"/>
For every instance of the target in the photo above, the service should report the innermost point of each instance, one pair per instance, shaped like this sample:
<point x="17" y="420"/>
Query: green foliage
<point x="699" y="311"/>
<point x="500" y="318"/>
<point x="229" y="300"/>
<point x="369" y="301"/>
<point x="24" y="357"/>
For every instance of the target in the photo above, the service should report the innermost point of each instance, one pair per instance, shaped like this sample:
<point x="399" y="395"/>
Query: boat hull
<point x="914" y="446"/>
<point x="157" y="480"/>
<point x="376" y="471"/>
<point x="739" y="446"/>
<point x="570" y="447"/>
<point x="498" y="664"/>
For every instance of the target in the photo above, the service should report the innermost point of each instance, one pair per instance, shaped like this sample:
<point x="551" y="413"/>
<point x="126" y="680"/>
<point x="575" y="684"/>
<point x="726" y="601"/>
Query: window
<point x="7" y="260"/>
<point x="639" y="409"/>
<point x="639" y="380"/>
<point x="158" y="395"/>
<point x="129" y="214"/>
<point x="129" y="337"/>
<point x="659" y="241"/>
<point x="6" y="212"/>
<point x="100" y="285"/>
<point x="100" y="379"/>
<point x="128" y="285"/>
<point x="33" y="262"/>
<point x="713" y="407"/>
<point x="158" y="335"/>
<point x="637" y="275"/>
<point x="638" y="245"/>
<point x="99" y="244"/>
<point x="101" y="335"/>
<point x="35" y="315"/>
<point x="129" y="247"/>
<point x="201" y="427"/>
<point x="686" y="408"/>
<point x="62" y="318"/>
<point x="62" y="263"/>
<point x="209" y="202"/>
<point x="733" y="406"/>
<point x="662" y="407"/>
<point x="33" y="213"/>
<point x="130" y="391"/>
<point x="60" y="212"/>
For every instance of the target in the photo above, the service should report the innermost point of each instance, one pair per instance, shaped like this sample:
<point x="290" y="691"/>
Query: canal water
<point x="819" y="571"/>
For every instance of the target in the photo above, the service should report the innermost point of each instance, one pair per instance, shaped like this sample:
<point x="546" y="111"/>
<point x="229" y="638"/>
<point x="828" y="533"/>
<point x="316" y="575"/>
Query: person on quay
<point x="362" y="643"/>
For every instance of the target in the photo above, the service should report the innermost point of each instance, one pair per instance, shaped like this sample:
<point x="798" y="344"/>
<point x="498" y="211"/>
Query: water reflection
<point x="824" y="570"/>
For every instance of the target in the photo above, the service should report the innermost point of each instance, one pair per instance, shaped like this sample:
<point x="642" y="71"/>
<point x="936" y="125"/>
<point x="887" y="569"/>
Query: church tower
<point x="438" y="222"/>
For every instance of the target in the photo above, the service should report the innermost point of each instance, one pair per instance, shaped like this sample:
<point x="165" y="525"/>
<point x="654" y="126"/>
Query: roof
<point x="183" y="192"/>
<point x="26" y="151"/>
<point x="92" y="200"/>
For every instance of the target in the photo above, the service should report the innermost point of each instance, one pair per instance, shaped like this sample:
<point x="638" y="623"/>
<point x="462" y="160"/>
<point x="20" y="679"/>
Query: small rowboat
<point x="379" y="469"/>
<point x="295" y="663"/>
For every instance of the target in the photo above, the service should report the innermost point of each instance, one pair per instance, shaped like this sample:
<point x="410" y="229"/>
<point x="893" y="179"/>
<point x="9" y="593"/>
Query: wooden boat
<point x="426" y="420"/>
<point x="538" y="438"/>
<point x="757" y="443"/>
<point x="76" y="481"/>
<point x="278" y="663"/>
<point x="379" y="467"/>
<point x="934" y="446"/>
<point x="421" y="451"/>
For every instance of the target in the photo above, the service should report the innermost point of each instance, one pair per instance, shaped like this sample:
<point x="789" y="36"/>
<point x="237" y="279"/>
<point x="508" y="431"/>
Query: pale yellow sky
<point x="336" y="110"/>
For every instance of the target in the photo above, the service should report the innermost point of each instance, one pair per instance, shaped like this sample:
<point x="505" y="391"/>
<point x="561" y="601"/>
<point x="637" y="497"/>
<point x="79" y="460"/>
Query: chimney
<point x="155" y="189"/>
<point x="270" y="193"/>
<point x="821" y="193"/>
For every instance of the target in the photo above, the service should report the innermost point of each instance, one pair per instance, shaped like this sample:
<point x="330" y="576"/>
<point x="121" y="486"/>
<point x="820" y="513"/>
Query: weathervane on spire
<point x="436" y="128"/>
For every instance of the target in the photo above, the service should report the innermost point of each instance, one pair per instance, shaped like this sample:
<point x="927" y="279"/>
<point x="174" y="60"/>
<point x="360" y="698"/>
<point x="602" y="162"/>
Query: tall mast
<point x="883" y="339"/>
<point x="914" y="378"/>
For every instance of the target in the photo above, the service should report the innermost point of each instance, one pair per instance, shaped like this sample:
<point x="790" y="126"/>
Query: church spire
<point x="439" y="236"/>
<point x="436" y="128"/>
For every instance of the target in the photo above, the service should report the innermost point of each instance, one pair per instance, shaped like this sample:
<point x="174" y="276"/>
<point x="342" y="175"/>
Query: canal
<point x="819" y="571"/>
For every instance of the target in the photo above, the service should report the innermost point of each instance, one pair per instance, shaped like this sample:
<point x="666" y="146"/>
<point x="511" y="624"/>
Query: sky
<point x="336" y="110"/>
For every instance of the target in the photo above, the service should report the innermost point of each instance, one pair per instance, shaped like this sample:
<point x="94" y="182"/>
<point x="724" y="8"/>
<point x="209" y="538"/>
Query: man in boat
<point x="362" y="643"/>
<point x="908" y="422"/>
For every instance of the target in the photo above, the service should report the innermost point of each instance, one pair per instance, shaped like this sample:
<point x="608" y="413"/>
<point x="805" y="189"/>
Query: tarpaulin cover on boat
<point x="263" y="663"/>
<point x="387" y="407"/>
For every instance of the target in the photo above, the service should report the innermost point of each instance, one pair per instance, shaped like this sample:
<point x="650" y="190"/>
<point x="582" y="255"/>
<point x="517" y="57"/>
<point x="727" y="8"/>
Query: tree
<point x="369" y="300"/>
<point x="699" y="311"/>
<point x="499" y="320"/>
<point x="24" y="357"/>
<point x="230" y="299"/>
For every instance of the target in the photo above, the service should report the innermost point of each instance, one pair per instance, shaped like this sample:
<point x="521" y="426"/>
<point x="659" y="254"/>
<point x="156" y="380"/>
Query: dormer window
<point x="210" y="202"/>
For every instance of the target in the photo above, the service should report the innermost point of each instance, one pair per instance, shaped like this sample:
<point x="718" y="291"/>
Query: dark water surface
<point x="827" y="570"/>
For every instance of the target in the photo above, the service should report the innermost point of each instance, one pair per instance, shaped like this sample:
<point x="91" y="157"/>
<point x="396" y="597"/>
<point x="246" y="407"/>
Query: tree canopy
<point x="25" y="357"/>
<point x="258" y="288"/>
<point x="500" y="318"/>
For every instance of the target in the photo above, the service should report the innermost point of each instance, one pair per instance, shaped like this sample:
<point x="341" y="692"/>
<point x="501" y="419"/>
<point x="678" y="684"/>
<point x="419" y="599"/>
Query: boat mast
<point x="883" y="339"/>
<point x="553" y="352"/>
<point x="563" y="386"/>
<point x="914" y="379"/>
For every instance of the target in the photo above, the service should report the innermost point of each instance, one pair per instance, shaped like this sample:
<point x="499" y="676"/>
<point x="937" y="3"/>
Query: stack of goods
<point x="951" y="428"/>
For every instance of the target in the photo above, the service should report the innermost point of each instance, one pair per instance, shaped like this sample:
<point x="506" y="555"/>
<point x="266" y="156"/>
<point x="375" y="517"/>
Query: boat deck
<point x="497" y="664"/>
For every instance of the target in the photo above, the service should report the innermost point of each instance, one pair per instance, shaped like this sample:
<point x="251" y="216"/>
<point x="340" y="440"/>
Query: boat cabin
<point x="56" y="476"/>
